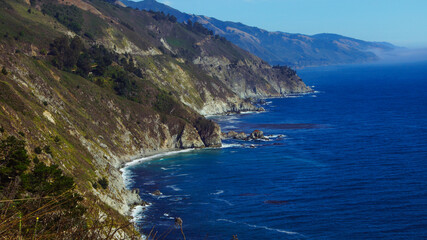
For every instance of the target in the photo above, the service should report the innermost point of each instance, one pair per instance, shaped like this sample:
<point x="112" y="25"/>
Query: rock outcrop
<point x="190" y="138"/>
<point x="257" y="134"/>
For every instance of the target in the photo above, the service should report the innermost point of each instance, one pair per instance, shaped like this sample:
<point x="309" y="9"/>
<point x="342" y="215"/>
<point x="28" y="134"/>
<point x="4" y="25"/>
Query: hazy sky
<point x="402" y="22"/>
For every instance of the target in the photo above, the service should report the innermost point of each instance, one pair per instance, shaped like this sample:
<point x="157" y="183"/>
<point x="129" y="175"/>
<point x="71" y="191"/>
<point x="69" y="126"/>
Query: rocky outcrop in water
<point x="255" y="135"/>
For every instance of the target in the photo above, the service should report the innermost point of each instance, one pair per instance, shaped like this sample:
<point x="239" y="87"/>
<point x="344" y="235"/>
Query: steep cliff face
<point x="253" y="77"/>
<point x="128" y="84"/>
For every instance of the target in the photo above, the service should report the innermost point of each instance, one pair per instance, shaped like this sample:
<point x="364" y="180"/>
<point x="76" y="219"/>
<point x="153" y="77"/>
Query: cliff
<point x="108" y="84"/>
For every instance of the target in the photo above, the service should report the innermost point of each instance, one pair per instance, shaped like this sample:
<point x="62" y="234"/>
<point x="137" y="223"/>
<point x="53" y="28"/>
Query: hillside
<point x="86" y="86"/>
<point x="279" y="48"/>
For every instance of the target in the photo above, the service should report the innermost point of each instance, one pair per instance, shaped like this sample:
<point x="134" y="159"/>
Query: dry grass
<point x="49" y="221"/>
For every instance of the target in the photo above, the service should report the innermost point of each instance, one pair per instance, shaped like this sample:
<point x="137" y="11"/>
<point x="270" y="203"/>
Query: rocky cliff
<point x="109" y="84"/>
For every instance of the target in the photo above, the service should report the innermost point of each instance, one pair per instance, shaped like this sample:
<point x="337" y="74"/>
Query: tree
<point x="4" y="71"/>
<point x="14" y="159"/>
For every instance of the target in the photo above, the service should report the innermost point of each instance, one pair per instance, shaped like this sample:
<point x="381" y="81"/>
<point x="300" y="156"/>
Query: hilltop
<point x="296" y="50"/>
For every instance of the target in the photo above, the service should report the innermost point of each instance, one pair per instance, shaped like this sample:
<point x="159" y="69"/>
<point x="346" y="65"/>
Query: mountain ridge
<point x="281" y="48"/>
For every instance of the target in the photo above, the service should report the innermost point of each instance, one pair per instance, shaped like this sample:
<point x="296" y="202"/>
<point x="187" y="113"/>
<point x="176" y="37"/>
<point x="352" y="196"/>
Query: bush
<point x="38" y="150"/>
<point x="69" y="16"/>
<point x="47" y="149"/>
<point x="13" y="159"/>
<point x="103" y="182"/>
<point x="4" y="71"/>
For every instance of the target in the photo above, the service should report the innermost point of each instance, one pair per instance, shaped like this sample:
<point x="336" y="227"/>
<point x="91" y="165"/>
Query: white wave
<point x="166" y="169"/>
<point x="150" y="183"/>
<point x="223" y="200"/>
<point x="230" y="145"/>
<point x="218" y="192"/>
<point x="138" y="212"/>
<point x="157" y="156"/>
<point x="168" y="216"/>
<point x="248" y="112"/>
<point x="313" y="96"/>
<point x="161" y="196"/>
<point x="276" y="136"/>
<point x="174" y="187"/>
<point x="127" y="176"/>
<point x="268" y="103"/>
<point x="263" y="227"/>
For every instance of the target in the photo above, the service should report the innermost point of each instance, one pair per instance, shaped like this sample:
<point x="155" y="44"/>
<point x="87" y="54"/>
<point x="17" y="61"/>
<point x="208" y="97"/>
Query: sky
<point x="401" y="22"/>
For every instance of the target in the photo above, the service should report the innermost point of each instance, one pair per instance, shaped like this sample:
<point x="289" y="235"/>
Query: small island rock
<point x="157" y="193"/>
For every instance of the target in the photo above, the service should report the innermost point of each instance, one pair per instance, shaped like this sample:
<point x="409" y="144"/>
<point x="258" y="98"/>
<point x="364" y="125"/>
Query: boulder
<point x="157" y="193"/>
<point x="231" y="134"/>
<point x="241" y="136"/>
<point x="257" y="134"/>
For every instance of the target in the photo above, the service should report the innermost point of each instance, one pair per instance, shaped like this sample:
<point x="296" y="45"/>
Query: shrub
<point x="38" y="150"/>
<point x="57" y="139"/>
<point x="69" y="16"/>
<point x="4" y="71"/>
<point x="103" y="182"/>
<point x="47" y="149"/>
<point x="13" y="159"/>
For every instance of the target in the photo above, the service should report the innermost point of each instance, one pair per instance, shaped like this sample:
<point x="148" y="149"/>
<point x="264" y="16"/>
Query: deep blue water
<point x="353" y="165"/>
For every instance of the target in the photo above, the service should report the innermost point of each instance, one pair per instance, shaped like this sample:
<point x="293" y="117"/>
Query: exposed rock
<point x="231" y="134"/>
<point x="214" y="138"/>
<point x="241" y="136"/>
<point x="190" y="138"/>
<point x="257" y="134"/>
<point x="157" y="193"/>
<point x="210" y="132"/>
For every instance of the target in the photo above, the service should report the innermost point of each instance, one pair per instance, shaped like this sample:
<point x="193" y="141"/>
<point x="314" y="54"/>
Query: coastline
<point x="138" y="209"/>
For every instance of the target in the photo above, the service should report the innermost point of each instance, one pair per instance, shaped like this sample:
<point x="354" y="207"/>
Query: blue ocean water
<point x="353" y="165"/>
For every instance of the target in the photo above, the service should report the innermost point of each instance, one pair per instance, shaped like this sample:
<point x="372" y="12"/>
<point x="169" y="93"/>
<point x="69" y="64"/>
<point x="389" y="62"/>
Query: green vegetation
<point x="4" y="71"/>
<point x="47" y="149"/>
<point x="103" y="182"/>
<point x="13" y="160"/>
<point x="198" y="28"/>
<point x="37" y="150"/>
<point x="41" y="196"/>
<point x="161" y="16"/>
<point x="69" y="16"/>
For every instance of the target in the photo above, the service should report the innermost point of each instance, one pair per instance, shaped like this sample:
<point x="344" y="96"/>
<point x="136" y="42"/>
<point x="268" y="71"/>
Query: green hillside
<point x="86" y="86"/>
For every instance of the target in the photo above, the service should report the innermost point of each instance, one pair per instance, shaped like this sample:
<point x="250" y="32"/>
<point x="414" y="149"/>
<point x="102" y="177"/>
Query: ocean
<point x="348" y="161"/>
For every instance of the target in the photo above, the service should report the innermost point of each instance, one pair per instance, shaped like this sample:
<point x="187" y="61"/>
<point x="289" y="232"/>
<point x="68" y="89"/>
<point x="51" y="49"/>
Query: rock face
<point x="213" y="138"/>
<point x="190" y="138"/>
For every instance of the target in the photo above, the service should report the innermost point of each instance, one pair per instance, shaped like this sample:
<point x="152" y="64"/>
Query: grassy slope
<point x="97" y="128"/>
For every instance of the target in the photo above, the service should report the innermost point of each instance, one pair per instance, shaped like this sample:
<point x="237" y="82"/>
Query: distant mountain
<point x="280" y="48"/>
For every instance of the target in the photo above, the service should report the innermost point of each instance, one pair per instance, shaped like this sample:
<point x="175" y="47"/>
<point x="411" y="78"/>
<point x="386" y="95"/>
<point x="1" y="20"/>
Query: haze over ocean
<point x="352" y="165"/>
